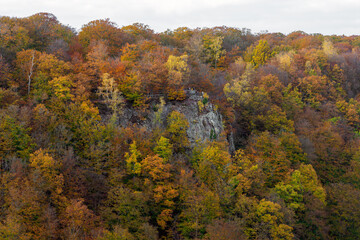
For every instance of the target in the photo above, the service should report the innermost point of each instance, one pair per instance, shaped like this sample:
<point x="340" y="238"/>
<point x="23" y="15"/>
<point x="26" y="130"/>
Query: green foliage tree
<point x="246" y="176"/>
<point x="164" y="148"/>
<point x="344" y="215"/>
<point x="15" y="140"/>
<point x="303" y="193"/>
<point x="126" y="208"/>
<point x="201" y="206"/>
<point x="302" y="181"/>
<point x="271" y="157"/>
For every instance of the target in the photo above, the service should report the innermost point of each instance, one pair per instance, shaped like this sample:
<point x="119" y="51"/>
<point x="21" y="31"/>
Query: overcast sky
<point x="311" y="16"/>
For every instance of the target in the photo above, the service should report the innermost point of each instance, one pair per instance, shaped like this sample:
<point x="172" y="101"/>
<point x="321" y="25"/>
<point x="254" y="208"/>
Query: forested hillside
<point x="96" y="142"/>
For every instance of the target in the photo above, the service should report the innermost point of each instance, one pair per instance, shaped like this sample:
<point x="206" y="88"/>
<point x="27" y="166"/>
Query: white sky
<point x="311" y="16"/>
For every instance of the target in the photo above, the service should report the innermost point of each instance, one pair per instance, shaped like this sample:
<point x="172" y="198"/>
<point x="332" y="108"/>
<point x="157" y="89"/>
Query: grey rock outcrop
<point x="205" y="121"/>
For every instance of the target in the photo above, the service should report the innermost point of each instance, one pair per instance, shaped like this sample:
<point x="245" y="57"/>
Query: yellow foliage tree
<point x="270" y="222"/>
<point x="49" y="169"/>
<point x="212" y="46"/>
<point x="132" y="159"/>
<point x="328" y="48"/>
<point x="176" y="130"/>
<point x="178" y="76"/>
<point x="258" y="55"/>
<point x="62" y="87"/>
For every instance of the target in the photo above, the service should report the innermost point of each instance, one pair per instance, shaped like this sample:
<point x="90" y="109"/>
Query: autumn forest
<point x="119" y="132"/>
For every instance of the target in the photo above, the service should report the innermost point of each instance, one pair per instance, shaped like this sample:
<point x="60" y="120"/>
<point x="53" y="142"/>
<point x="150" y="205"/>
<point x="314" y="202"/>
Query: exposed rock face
<point x="205" y="121"/>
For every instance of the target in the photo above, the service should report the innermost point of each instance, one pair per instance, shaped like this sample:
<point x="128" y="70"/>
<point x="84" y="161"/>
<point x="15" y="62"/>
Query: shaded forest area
<point x="69" y="170"/>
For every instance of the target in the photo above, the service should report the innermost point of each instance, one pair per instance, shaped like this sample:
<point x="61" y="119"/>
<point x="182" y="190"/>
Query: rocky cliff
<point x="205" y="121"/>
